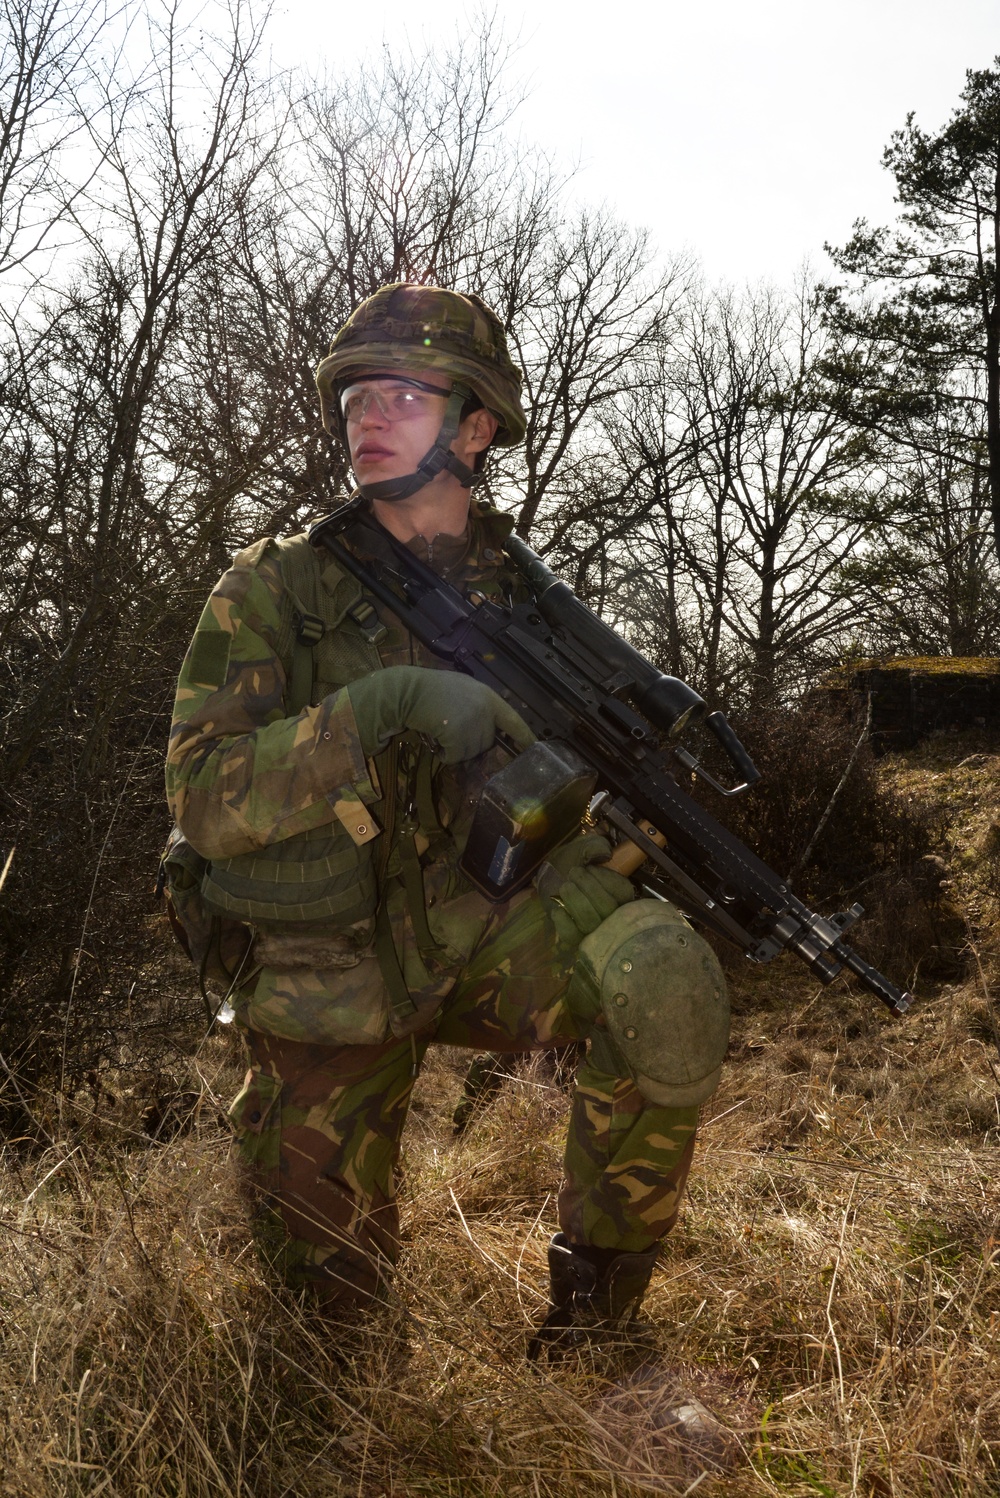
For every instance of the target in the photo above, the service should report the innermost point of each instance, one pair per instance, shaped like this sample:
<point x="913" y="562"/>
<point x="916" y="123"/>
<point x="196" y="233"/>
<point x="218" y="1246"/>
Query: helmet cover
<point x="414" y="328"/>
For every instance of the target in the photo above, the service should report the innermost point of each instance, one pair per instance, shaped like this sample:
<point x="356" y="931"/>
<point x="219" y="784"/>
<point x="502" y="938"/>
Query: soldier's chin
<point x="379" y="468"/>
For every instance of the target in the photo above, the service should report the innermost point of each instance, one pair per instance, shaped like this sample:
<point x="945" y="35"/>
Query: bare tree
<point x="407" y="162"/>
<point x="46" y="51"/>
<point x="741" y="496"/>
<point x="167" y="192"/>
<point x="773" y="467"/>
<point x="598" y="306"/>
<point x="96" y="596"/>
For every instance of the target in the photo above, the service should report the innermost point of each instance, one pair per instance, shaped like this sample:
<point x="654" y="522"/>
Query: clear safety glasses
<point x="397" y="399"/>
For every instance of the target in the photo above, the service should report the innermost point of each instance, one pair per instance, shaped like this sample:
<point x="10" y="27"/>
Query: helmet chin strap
<point x="439" y="458"/>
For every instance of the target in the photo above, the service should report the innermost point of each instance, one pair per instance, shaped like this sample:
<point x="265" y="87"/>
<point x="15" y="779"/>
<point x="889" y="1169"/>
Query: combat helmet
<point x="410" y="327"/>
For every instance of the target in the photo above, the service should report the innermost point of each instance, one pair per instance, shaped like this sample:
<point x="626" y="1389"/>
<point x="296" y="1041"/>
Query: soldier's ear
<point x="480" y="427"/>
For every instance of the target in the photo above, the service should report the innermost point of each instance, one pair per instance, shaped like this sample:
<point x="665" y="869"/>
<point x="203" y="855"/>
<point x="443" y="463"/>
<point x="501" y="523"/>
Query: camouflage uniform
<point x="332" y="1066"/>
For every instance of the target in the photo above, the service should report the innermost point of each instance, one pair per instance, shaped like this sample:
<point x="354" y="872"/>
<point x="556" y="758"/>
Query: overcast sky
<point x="748" y="131"/>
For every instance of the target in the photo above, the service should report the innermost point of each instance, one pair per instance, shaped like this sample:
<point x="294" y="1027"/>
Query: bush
<point x="875" y="848"/>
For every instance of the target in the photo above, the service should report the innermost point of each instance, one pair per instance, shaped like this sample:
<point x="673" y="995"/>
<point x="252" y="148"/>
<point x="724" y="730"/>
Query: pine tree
<point x="923" y="302"/>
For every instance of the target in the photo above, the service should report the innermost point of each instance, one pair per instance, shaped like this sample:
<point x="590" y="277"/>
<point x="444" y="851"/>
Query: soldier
<point x="327" y="766"/>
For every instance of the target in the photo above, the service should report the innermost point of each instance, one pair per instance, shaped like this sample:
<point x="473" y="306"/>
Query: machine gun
<point x="608" y="721"/>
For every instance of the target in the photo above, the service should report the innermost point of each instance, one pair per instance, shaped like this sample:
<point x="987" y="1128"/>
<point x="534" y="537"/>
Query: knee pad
<point x="664" y="1001"/>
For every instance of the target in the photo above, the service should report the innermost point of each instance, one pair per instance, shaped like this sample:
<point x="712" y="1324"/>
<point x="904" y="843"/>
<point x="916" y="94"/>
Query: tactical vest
<point x="327" y="884"/>
<point x="329" y="636"/>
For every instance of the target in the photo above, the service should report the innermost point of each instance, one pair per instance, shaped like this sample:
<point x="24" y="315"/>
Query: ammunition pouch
<point x="321" y="877"/>
<point x="218" y="945"/>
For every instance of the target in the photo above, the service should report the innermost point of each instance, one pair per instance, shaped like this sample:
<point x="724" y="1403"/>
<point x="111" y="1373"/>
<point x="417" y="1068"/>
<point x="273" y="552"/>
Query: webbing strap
<point x="402" y="1006"/>
<point x="309" y="630"/>
<point x="604" y="1055"/>
<point x="413" y="883"/>
<point x="423" y="800"/>
<point x="401" y="837"/>
<point x="400" y="1002"/>
<point x="366" y="618"/>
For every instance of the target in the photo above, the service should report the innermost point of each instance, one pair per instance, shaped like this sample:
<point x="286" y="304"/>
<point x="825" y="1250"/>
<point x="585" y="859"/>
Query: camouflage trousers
<point x="319" y="1127"/>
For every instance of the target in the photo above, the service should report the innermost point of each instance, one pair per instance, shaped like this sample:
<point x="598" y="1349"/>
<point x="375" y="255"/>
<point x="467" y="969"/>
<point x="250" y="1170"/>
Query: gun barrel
<point x="877" y="983"/>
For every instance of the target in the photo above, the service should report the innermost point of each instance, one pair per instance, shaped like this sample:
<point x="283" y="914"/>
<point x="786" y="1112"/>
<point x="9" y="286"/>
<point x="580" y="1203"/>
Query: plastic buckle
<point x="365" y="617"/>
<point x="309" y="629"/>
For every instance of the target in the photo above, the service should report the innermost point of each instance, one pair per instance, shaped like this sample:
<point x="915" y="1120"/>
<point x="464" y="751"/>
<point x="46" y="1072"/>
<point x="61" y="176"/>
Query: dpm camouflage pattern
<point x="240" y="774"/>
<point x="331" y="1069"/>
<point x="626" y="1164"/>
<point x="242" y="777"/>
<point x="319" y="1126"/>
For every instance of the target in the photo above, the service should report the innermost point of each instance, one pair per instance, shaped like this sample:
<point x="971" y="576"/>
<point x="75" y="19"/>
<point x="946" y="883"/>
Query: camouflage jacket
<point x="248" y="784"/>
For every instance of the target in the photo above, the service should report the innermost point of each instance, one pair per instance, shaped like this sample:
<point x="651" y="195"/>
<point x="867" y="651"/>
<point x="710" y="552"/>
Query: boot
<point x="486" y="1075"/>
<point x="594" y="1291"/>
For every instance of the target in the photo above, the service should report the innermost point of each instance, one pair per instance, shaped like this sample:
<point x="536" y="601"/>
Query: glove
<point x="462" y="715"/>
<point x="578" y="894"/>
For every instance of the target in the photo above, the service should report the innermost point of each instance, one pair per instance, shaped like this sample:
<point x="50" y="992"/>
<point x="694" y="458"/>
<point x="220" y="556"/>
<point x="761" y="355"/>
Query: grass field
<point x="832" y="1290"/>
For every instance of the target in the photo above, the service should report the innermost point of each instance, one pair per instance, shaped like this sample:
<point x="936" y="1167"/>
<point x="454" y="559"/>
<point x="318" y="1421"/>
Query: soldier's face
<point x="384" y="448"/>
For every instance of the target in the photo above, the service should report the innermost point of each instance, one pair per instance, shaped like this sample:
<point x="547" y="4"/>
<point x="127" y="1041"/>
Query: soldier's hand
<point x="580" y="893"/>
<point x="459" y="714"/>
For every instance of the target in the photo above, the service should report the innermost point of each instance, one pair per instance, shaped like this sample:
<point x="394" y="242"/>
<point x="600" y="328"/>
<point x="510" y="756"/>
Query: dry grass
<point x="833" y="1286"/>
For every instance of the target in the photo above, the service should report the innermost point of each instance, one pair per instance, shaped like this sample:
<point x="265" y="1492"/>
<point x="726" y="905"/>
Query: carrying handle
<point x="737" y="755"/>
